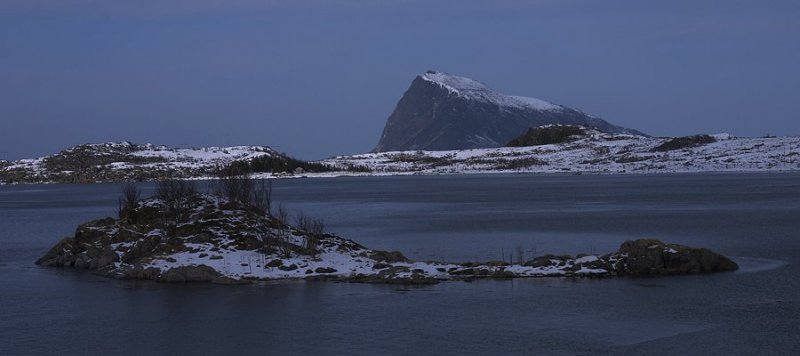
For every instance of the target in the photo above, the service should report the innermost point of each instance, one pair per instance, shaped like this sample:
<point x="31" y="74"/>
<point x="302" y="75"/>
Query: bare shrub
<point x="301" y="221"/>
<point x="520" y="254"/>
<point x="128" y="201"/>
<point x="238" y="188"/>
<point x="281" y="214"/>
<point x="234" y="186"/>
<point x="284" y="245"/>
<point x="314" y="229"/>
<point x="261" y="199"/>
<point x="177" y="197"/>
<point x="131" y="194"/>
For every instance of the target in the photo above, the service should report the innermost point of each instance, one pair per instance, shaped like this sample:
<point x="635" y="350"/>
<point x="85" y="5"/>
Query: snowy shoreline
<point x="595" y="153"/>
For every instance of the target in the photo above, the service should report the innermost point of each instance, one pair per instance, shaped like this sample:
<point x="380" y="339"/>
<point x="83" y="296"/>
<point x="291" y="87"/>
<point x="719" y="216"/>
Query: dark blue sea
<point x="753" y="218"/>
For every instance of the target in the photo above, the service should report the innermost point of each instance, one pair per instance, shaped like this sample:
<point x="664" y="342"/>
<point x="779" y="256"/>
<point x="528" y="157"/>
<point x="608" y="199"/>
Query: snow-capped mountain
<point x="441" y="111"/>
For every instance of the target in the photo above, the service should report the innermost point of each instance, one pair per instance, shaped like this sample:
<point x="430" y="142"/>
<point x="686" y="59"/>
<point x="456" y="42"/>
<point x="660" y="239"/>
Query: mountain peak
<point x="454" y="83"/>
<point x="475" y="90"/>
<point x="442" y="111"/>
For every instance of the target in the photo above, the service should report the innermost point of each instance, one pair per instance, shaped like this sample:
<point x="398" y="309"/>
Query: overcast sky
<point x="319" y="78"/>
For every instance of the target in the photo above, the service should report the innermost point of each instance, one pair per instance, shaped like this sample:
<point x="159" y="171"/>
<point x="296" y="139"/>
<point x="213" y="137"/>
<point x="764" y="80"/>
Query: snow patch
<point x="474" y="90"/>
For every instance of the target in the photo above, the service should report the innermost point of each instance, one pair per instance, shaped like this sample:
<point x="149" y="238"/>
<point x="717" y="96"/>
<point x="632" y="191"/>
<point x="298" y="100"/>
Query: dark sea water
<point x="754" y="218"/>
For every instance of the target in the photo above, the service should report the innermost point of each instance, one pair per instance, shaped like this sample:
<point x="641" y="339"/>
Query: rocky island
<point x="235" y="236"/>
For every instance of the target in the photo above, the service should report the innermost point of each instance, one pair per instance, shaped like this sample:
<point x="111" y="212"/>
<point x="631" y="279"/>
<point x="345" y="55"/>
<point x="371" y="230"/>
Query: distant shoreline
<point x="429" y="174"/>
<point x="593" y="153"/>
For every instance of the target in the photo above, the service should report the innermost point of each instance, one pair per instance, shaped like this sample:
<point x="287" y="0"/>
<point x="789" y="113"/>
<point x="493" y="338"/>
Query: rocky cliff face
<point x="440" y="111"/>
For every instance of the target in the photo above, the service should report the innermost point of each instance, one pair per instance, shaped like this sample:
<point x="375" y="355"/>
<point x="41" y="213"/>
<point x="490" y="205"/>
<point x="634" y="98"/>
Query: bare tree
<point x="237" y="189"/>
<point x="128" y="201"/>
<point x="262" y="196"/>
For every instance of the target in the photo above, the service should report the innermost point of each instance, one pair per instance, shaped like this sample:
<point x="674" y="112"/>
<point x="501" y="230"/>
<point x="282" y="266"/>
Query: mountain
<point x="440" y="111"/>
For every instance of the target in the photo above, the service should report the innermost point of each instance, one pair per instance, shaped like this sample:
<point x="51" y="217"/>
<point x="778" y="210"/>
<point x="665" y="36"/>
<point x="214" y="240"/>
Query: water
<point x="755" y="218"/>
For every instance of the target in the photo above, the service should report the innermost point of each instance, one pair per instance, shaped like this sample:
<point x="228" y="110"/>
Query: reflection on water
<point x="752" y="264"/>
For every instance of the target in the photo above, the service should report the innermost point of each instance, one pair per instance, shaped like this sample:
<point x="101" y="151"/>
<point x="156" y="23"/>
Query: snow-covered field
<point x="596" y="153"/>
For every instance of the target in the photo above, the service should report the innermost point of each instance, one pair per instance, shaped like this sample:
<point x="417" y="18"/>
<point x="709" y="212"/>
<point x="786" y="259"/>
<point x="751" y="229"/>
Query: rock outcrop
<point x="440" y="111"/>
<point x="648" y="257"/>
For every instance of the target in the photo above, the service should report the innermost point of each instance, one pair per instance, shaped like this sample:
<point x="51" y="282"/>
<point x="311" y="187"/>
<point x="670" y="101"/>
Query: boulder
<point x="59" y="255"/>
<point x="138" y="272"/>
<point x="201" y="273"/>
<point x="104" y="258"/>
<point x="389" y="257"/>
<point x="291" y="267"/>
<point x="497" y="264"/>
<point x="542" y="261"/>
<point x="649" y="257"/>
<point x="381" y="265"/>
<point x="141" y="249"/>
<point x="325" y="270"/>
<point x="275" y="263"/>
<point x="93" y="231"/>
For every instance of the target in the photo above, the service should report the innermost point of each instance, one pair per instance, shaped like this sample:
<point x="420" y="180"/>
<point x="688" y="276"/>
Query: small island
<point x="233" y="235"/>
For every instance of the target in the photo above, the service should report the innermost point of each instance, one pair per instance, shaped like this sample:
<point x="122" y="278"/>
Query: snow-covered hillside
<point x="118" y="161"/>
<point x="595" y="152"/>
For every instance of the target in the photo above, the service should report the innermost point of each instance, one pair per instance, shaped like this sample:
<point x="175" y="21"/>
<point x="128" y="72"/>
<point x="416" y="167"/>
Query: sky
<point x="319" y="78"/>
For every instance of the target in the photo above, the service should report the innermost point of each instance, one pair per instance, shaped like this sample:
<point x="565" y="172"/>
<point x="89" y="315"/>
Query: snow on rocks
<point x="217" y="241"/>
<point x="475" y="90"/>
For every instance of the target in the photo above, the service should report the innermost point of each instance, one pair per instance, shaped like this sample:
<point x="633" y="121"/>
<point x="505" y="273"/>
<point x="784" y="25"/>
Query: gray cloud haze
<point x="319" y="78"/>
